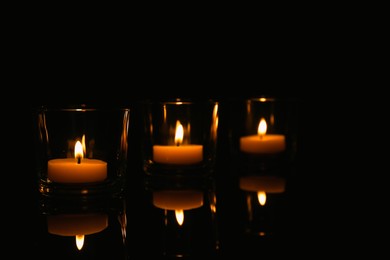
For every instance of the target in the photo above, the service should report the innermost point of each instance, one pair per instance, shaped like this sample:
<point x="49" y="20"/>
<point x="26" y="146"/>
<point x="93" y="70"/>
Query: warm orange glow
<point x="269" y="184"/>
<point x="179" y="133"/>
<point x="262" y="197"/>
<point x="214" y="126"/>
<point x="79" y="241"/>
<point x="262" y="129"/>
<point x="78" y="150"/>
<point x="179" y="213"/>
<point x="178" y="199"/>
<point x="83" y="144"/>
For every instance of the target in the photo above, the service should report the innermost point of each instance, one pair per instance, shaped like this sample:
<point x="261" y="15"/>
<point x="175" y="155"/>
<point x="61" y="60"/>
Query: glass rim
<point x="78" y="108"/>
<point x="179" y="101"/>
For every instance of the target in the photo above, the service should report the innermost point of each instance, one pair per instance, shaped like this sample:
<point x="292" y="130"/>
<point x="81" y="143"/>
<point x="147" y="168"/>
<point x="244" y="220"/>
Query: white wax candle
<point x="178" y="200"/>
<point x="269" y="184"/>
<point x="178" y="153"/>
<point x="183" y="154"/>
<point x="76" y="224"/>
<point x="263" y="143"/>
<point x="67" y="170"/>
<point x="78" y="169"/>
<point x="266" y="144"/>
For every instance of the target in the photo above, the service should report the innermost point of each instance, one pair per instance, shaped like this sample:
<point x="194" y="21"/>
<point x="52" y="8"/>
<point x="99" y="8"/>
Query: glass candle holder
<point x="264" y="137"/>
<point x="180" y="137"/>
<point x="82" y="151"/>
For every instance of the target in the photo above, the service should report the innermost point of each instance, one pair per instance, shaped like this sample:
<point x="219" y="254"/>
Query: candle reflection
<point x="257" y="191"/>
<point x="77" y="225"/>
<point x="178" y="200"/>
<point x="185" y="214"/>
<point x="77" y="228"/>
<point x="263" y="185"/>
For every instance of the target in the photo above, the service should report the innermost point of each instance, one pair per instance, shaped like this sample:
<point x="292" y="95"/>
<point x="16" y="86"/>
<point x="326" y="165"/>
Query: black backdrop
<point x="46" y="67"/>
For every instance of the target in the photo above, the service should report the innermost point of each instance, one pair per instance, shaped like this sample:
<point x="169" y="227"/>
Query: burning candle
<point x="78" y="169"/>
<point x="179" y="153"/>
<point x="263" y="143"/>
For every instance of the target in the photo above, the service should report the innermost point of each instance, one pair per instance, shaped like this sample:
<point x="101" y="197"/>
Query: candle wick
<point x="78" y="159"/>
<point x="261" y="136"/>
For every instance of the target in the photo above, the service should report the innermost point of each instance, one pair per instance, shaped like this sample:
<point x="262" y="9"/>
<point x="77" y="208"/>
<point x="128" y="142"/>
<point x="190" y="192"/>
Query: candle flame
<point x="78" y="150"/>
<point x="79" y="241"/>
<point x="262" y="129"/>
<point x="179" y="213"/>
<point x="179" y="133"/>
<point x="261" y="197"/>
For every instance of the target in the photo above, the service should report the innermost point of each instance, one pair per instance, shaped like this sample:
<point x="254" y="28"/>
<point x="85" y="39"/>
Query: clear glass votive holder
<point x="81" y="151"/>
<point x="264" y="137"/>
<point x="180" y="137"/>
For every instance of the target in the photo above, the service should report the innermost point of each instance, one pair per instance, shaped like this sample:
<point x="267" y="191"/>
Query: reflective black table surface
<point x="225" y="220"/>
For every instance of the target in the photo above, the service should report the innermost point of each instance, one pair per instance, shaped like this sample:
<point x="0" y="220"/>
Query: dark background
<point x="47" y="67"/>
